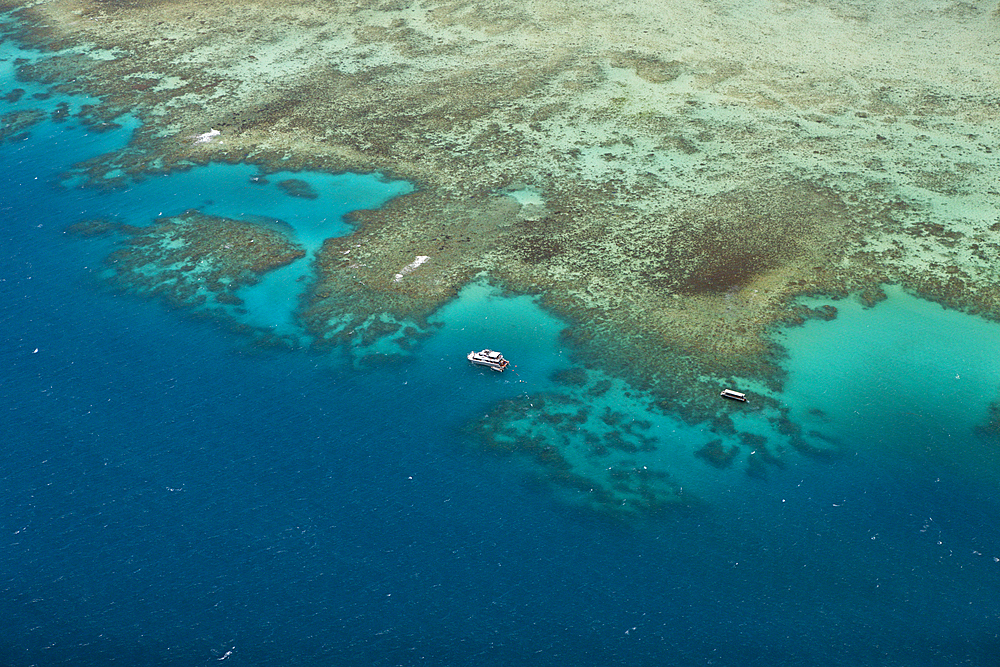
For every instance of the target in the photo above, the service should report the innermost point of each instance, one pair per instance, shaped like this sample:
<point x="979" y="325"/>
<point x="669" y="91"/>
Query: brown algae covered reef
<point x="667" y="176"/>
<point x="194" y="260"/>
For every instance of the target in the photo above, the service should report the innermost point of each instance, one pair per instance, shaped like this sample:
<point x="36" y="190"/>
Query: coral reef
<point x="682" y="196"/>
<point x="716" y="454"/>
<point x="668" y="178"/>
<point x="589" y="459"/>
<point x="990" y="430"/>
<point x="92" y="228"/>
<point x="295" y="187"/>
<point x="14" y="126"/>
<point x="195" y="259"/>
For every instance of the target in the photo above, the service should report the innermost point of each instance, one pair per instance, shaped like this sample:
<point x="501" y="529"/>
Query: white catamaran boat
<point x="488" y="358"/>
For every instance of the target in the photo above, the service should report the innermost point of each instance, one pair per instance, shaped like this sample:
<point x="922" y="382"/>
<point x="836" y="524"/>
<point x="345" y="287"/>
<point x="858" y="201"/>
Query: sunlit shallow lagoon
<point x="175" y="493"/>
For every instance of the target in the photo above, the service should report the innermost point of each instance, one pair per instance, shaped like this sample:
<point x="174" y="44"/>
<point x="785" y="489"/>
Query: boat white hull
<point x="489" y="359"/>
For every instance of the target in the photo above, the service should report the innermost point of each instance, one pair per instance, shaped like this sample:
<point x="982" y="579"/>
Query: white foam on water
<point x="410" y="267"/>
<point x="206" y="137"/>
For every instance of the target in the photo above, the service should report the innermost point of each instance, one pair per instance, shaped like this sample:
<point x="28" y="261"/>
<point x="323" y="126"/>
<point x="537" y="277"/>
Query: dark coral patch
<point x="92" y="228"/>
<point x="538" y="249"/>
<point x="591" y="461"/>
<point x="737" y="236"/>
<point x="989" y="430"/>
<point x="717" y="454"/>
<point x="296" y="187"/>
<point x="14" y="126"/>
<point x="192" y="258"/>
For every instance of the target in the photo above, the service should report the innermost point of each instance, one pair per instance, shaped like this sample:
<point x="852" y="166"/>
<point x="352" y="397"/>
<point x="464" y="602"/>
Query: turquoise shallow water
<point x="173" y="493"/>
<point x="222" y="190"/>
<point x="909" y="364"/>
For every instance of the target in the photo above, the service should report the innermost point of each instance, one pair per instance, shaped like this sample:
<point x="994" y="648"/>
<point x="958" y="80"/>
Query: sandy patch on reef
<point x="695" y="164"/>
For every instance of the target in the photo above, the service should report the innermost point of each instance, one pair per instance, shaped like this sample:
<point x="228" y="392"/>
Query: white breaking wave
<point x="207" y="136"/>
<point x="409" y="267"/>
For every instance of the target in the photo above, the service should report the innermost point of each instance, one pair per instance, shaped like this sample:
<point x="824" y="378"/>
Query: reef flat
<point x="676" y="170"/>
<point x="194" y="260"/>
<point x="667" y="176"/>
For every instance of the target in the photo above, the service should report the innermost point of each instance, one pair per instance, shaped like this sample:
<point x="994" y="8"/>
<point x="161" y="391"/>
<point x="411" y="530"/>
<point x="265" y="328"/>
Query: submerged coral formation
<point x="296" y="187"/>
<point x="594" y="460"/>
<point x="601" y="443"/>
<point x="195" y="259"/>
<point x="14" y="126"/>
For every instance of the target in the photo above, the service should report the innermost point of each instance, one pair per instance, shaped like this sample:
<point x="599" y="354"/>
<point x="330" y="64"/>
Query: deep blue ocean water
<point x="172" y="494"/>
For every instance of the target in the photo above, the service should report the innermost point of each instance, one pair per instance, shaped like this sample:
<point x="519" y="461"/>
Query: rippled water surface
<point x="173" y="494"/>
